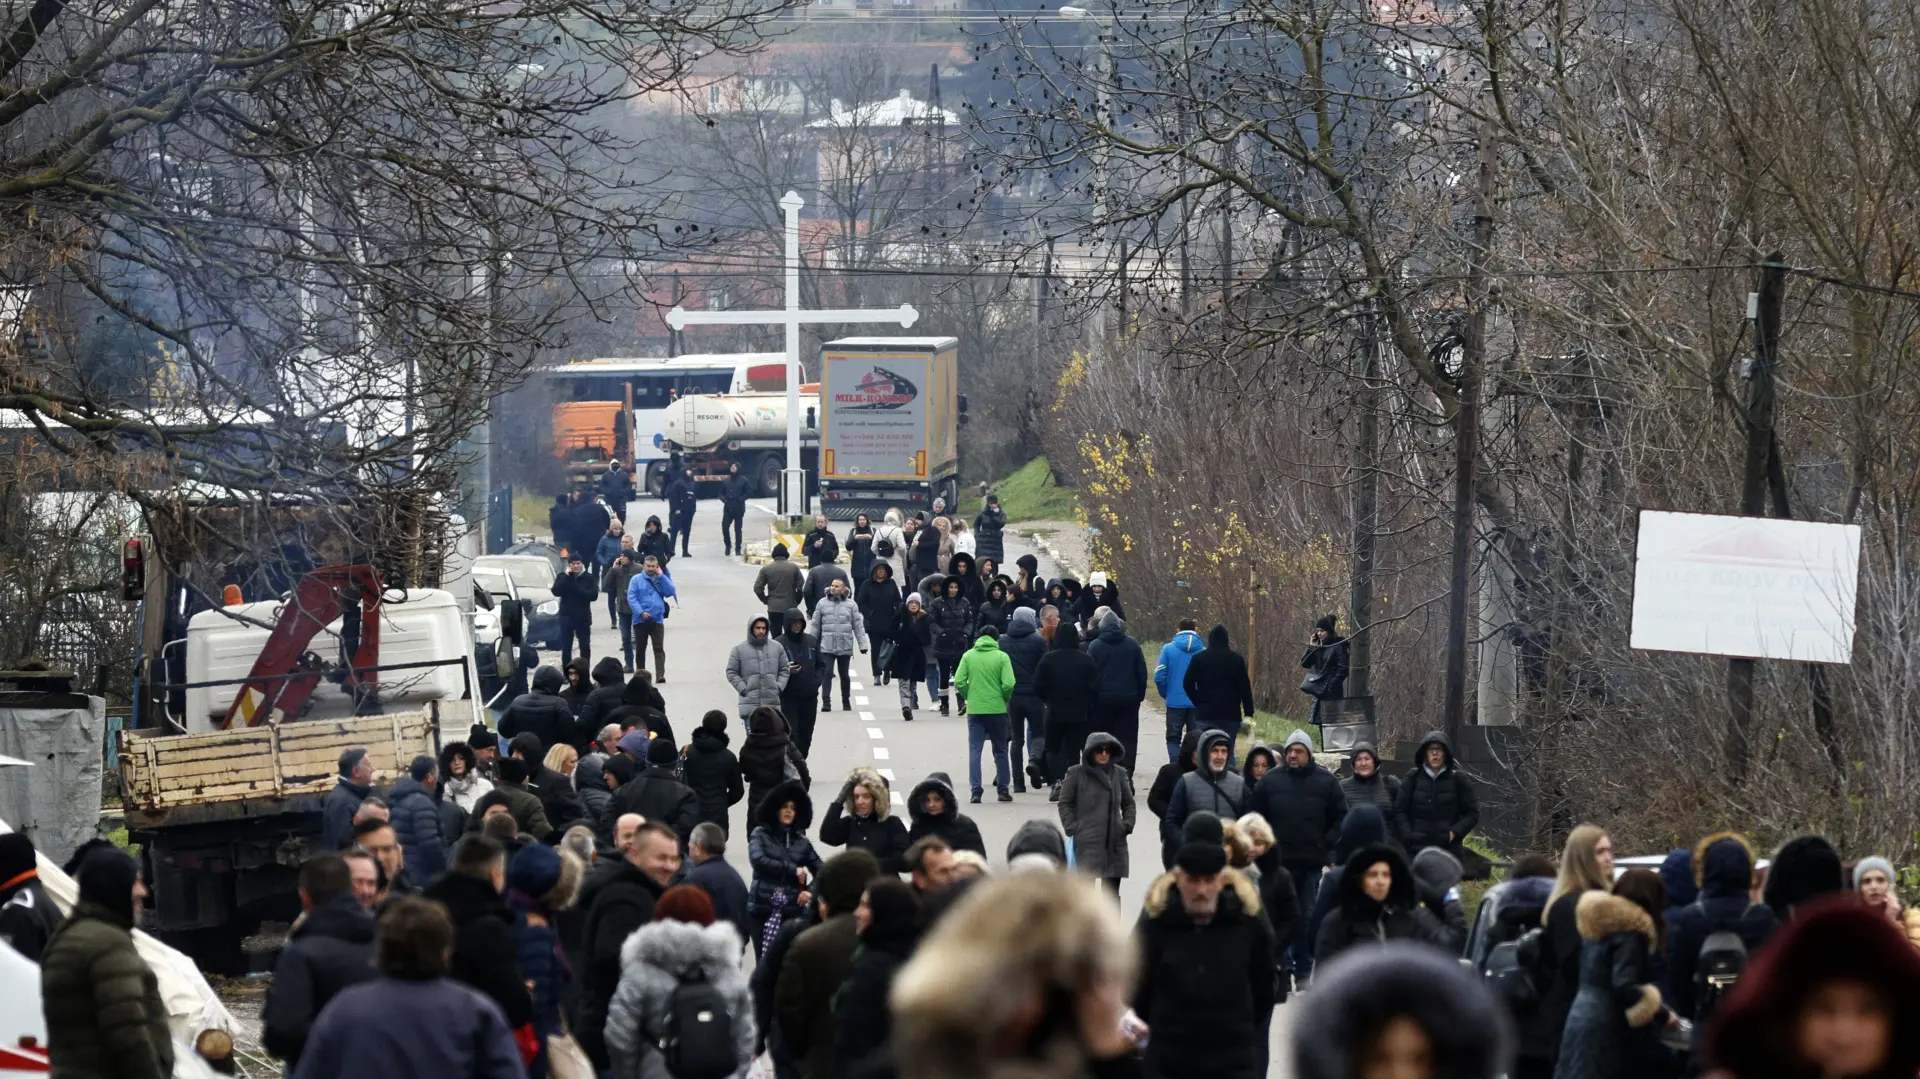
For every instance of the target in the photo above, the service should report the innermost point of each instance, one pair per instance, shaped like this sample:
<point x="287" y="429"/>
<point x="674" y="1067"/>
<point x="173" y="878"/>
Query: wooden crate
<point x="165" y="771"/>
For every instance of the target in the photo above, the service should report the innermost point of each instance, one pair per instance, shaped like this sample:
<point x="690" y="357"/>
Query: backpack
<point x="1723" y="956"/>
<point x="884" y="548"/>
<point x="1512" y="971"/>
<point x="698" y="1040"/>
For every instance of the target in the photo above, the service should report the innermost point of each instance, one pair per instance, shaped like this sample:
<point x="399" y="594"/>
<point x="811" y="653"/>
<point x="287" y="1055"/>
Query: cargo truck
<point x="713" y="431"/>
<point x="890" y="416"/>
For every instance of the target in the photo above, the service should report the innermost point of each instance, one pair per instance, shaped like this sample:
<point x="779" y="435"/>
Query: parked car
<point x="528" y="578"/>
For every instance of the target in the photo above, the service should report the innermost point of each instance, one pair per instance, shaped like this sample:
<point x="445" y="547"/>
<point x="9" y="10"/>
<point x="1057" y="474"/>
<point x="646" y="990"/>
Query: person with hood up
<point x="995" y="610"/>
<point x="560" y="521"/>
<point x="1722" y="866"/>
<point x="935" y="811"/>
<point x="1213" y="787"/>
<point x="1026" y="712"/>
<point x="1617" y="1007"/>
<point x="1325" y="661"/>
<point x="1036" y="841"/>
<point x="606" y="551"/>
<point x="1304" y="806"/>
<point x="542" y="882"/>
<point x="888" y="921"/>
<point x="757" y="668"/>
<point x="1368" y="785"/>
<point x="1068" y="682"/>
<point x="616" y="488"/>
<point x="912" y="635"/>
<point x="104" y="1015"/>
<point x="779" y="584"/>
<point x="783" y="860"/>
<point x="926" y="550"/>
<point x="337" y="810"/>
<point x="839" y="628"/>
<point x="415" y="816"/>
<point x="542" y="712"/>
<point x="734" y="492"/>
<point x="1836" y="996"/>
<point x="608" y="693"/>
<point x="579" y="677"/>
<point x="803" y="679"/>
<point x="683" y="501"/>
<point x="1804" y="868"/>
<point x="963" y="566"/>
<point x="1261" y="759"/>
<point x="1121" y="669"/>
<point x="989" y="531"/>
<point x="769" y="758"/>
<point x="685" y="942"/>
<point x="860" y="546"/>
<point x="879" y="600"/>
<point x="1097" y="810"/>
<point x="1363" y="826"/>
<point x="1378" y="902"/>
<point x="647" y="594"/>
<point x="712" y="771"/>
<point x="28" y="916"/>
<point x="1160" y="795"/>
<point x="329" y="949"/>
<point x="654" y="541"/>
<point x="1400" y="1010"/>
<point x="590" y="783"/>
<point x="861" y="819"/>
<point x="1206" y="988"/>
<point x="1170" y="679"/>
<point x="951" y="619"/>
<point x="1436" y="806"/>
<point x="1436" y="878"/>
<point x="575" y="589"/>
<point x="984" y="680"/>
<point x="484" y="957"/>
<point x="657" y="794"/>
<point x="1218" y="685"/>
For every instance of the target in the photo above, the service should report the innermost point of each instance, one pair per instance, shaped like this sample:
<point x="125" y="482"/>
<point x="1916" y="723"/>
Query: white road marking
<point x="880" y="753"/>
<point x="893" y="798"/>
<point x="886" y="774"/>
<point x="861" y="701"/>
<point x="875" y="732"/>
<point x="855" y="683"/>
<point x="867" y="717"/>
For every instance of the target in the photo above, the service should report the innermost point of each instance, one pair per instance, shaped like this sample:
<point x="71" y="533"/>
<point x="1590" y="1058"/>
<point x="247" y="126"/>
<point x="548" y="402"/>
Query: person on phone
<point x="613" y="582"/>
<point x="647" y="595"/>
<point x="576" y="591"/>
<point x="1326" y="660"/>
<point x="803" y="678"/>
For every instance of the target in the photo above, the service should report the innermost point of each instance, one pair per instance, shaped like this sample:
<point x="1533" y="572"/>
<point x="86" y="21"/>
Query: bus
<point x="591" y="397"/>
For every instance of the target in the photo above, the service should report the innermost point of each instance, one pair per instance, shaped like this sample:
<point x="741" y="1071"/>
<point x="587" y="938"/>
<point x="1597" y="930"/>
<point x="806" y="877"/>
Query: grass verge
<point x="1031" y="494"/>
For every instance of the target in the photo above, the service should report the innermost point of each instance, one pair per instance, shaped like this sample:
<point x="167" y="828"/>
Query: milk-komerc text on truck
<point x="890" y="412"/>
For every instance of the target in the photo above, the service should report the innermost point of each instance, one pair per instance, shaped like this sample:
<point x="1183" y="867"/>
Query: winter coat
<point x="912" y="637"/>
<point x="590" y="776"/>
<point x="803" y="653"/>
<point x="1170" y="673"/>
<point x="647" y="596"/>
<point x="483" y="951"/>
<point x="1216" y="682"/>
<point x="655" y="541"/>
<point x="683" y="498"/>
<point x="926" y="550"/>
<point x="879" y="832"/>
<point x="1117" y="659"/>
<point x="837" y="625"/>
<point x="1723" y="866"/>
<point x="331" y="949"/>
<point x="1363" y="826"/>
<point x="779" y="584"/>
<point x="1160" y="795"/>
<point x="820" y="579"/>
<point x="1558" y="980"/>
<point x="537" y="950"/>
<point x="1068" y="681"/>
<point x="984" y="678"/>
<point x="757" y="670"/>
<point x="561" y="805"/>
<point x="415" y="817"/>
<point x="606" y="549"/>
<point x="1437" y="993"/>
<point x="528" y="814"/>
<point x="960" y="832"/>
<point x="28" y="917"/>
<point x="1356" y="919"/>
<point x="1097" y="810"/>
<point x="1085" y="603"/>
<point x="734" y="492"/>
<point x="618" y="902"/>
<point x="820" y="547"/>
<point x="104" y="1015"/>
<point x="576" y="593"/>
<point x="1435" y="811"/>
<point x="1304" y="807"/>
<point x="816" y="967"/>
<point x="862" y="1019"/>
<point x="609" y="692"/>
<point x="879" y="600"/>
<point x="540" y="712"/>
<point x="1616" y="997"/>
<point x="989" y="528"/>
<point x="776" y="851"/>
<point x="860" y="551"/>
<point x="1223" y="794"/>
<point x="1205" y="991"/>
<point x="1328" y="662"/>
<point x="767" y="758"/>
<point x="1379" y="789"/>
<point x="392" y="1028"/>
<point x="994" y="613"/>
<point x="713" y="773"/>
<point x="658" y="795"/>
<point x="653" y="963"/>
<point x="615" y="578"/>
<point x="952" y="620"/>
<point x="336" y="813"/>
<point x="723" y="885"/>
<point x="578" y="679"/>
<point x="1025" y="648"/>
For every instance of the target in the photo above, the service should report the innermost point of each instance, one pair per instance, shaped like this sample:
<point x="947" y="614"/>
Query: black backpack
<point x="698" y="1040"/>
<point x="1513" y="974"/>
<point x="1723" y="957"/>
<point x="884" y="548"/>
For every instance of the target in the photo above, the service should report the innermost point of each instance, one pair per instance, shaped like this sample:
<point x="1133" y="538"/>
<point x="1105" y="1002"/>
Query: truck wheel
<point x="656" y="480"/>
<point x="768" y="469"/>
<point x="950" y="490"/>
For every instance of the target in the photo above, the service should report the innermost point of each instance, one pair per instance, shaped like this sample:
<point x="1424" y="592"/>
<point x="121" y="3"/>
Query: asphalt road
<point x="717" y="603"/>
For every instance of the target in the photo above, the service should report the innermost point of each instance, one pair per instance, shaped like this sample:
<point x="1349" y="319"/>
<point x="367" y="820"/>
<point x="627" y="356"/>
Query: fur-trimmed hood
<point x="677" y="947"/>
<point x="1161" y="893"/>
<point x="936" y="781"/>
<point x="791" y="790"/>
<point x="1364" y="987"/>
<point x="1600" y="915"/>
<point x="876" y="787"/>
<point x="1731" y="871"/>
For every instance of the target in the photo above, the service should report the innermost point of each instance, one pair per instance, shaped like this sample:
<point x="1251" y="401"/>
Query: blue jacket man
<point x="1170" y="676"/>
<point x="647" y="595"/>
<point x="415" y="817"/>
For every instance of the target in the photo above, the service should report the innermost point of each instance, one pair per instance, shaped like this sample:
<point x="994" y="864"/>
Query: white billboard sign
<point x="1745" y="586"/>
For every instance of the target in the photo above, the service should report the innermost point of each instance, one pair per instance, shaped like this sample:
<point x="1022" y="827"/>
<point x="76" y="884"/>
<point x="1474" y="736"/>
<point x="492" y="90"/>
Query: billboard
<point x="1745" y="586"/>
<point x="875" y="407"/>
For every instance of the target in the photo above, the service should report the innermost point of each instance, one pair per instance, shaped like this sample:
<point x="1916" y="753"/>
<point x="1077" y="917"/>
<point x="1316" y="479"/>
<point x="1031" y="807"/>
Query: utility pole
<point x="1366" y="509"/>
<point x="1466" y="438"/>
<point x="1763" y="308"/>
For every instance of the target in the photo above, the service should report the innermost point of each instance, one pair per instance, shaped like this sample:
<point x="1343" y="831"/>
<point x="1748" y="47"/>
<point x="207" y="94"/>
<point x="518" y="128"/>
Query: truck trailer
<point x="710" y="432"/>
<point x="890" y="418"/>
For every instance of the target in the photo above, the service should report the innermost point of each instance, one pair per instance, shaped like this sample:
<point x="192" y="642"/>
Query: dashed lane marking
<point x="886" y="774"/>
<point x="875" y="732"/>
<point x="867" y="717"/>
<point x="861" y="701"/>
<point x="880" y="753"/>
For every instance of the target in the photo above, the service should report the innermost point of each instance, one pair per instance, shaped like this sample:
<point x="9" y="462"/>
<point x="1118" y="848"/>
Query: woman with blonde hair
<point x="945" y="528"/>
<point x="1586" y="865"/>
<point x="561" y="758"/>
<point x="1027" y="975"/>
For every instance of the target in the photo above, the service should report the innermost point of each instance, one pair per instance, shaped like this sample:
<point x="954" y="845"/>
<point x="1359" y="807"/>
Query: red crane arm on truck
<point x="321" y="596"/>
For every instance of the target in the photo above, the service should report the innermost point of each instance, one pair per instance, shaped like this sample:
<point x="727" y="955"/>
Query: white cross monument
<point x="793" y="481"/>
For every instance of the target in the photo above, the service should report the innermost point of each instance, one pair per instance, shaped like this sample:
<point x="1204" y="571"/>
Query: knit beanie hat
<point x="1860" y="869"/>
<point x="534" y="870"/>
<point x="660" y="752"/>
<point x="106" y="880"/>
<point x="1204" y="827"/>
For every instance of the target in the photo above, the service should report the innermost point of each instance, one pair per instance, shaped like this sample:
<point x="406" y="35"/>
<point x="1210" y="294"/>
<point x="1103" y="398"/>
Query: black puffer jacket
<point x="1206" y="991"/>
<point x="879" y="599"/>
<point x="609" y="686"/>
<point x="484" y="957"/>
<point x="1359" y="920"/>
<point x="1067" y="680"/>
<point x="1216" y="682"/>
<point x="1118" y="662"/>
<point x="960" y="832"/>
<point x="714" y="774"/>
<point x="952" y="619"/>
<point x="332" y="948"/>
<point x="1435" y="811"/>
<point x="1304" y="807"/>
<point x="542" y="712"/>
<point x="879" y="832"/>
<point x="658" y="795"/>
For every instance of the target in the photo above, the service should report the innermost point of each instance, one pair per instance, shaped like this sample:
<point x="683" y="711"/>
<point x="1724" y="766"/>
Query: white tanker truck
<point x="709" y="432"/>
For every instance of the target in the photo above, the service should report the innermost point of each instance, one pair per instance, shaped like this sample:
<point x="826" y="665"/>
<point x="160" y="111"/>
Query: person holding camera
<point x="619" y="573"/>
<point x="576" y="590"/>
